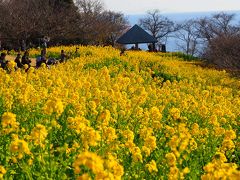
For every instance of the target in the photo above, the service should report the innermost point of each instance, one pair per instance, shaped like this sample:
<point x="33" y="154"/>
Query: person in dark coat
<point x="18" y="61"/>
<point x="41" y="59"/>
<point x="62" y="56"/>
<point x="26" y="60"/>
<point x="3" y="61"/>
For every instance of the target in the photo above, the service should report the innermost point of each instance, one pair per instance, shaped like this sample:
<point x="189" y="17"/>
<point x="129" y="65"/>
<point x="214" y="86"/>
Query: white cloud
<point x="141" y="6"/>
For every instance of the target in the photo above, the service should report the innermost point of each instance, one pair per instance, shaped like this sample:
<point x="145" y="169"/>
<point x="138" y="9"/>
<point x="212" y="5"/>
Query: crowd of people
<point x="25" y="62"/>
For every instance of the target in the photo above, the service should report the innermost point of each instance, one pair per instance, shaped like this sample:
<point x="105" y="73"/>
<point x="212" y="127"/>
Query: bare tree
<point x="196" y="36"/>
<point x="220" y="24"/>
<point x="158" y="25"/>
<point x="99" y="26"/>
<point x="110" y="27"/>
<point x="89" y="7"/>
<point x="221" y="36"/>
<point x="224" y="52"/>
<point x="64" y="21"/>
<point x="31" y="19"/>
<point x="188" y="38"/>
<point x="89" y="15"/>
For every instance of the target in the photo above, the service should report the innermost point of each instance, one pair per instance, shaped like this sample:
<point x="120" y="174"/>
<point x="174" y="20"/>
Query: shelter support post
<point x="136" y="46"/>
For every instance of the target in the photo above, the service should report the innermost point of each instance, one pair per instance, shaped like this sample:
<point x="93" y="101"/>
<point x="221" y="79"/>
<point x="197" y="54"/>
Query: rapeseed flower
<point x="90" y="160"/>
<point x="2" y="172"/>
<point x="54" y="105"/>
<point x="175" y="113"/>
<point x="39" y="134"/>
<point x="171" y="159"/>
<point x="152" y="166"/>
<point x="9" y="123"/>
<point x="19" y="146"/>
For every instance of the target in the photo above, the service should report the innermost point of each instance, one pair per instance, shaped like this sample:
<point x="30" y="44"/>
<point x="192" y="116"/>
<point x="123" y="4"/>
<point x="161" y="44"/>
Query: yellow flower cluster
<point x="105" y="116"/>
<point x="108" y="169"/>
<point x="152" y="167"/>
<point x="175" y="113"/>
<point x="54" y="105"/>
<point x="220" y="169"/>
<point x="90" y="160"/>
<point x="9" y="123"/>
<point x="89" y="136"/>
<point x="39" y="134"/>
<point x="2" y="172"/>
<point x="19" y="147"/>
<point x="11" y="65"/>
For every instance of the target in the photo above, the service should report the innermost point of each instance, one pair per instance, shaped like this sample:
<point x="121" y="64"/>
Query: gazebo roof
<point x="136" y="35"/>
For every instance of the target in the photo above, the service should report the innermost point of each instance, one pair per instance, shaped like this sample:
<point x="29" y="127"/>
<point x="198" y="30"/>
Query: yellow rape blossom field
<point x="105" y="116"/>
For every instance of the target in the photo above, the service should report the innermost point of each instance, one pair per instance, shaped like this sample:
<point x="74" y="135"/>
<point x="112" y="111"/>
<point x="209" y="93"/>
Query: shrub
<point x="224" y="52"/>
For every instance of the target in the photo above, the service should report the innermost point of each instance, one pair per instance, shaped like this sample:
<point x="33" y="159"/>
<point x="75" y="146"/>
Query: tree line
<point x="215" y="39"/>
<point x="27" y="23"/>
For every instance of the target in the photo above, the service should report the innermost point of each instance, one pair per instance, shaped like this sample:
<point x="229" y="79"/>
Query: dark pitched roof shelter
<point x="136" y="35"/>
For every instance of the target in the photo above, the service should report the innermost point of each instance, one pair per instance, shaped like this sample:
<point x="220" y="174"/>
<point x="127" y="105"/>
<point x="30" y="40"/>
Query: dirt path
<point x="12" y="58"/>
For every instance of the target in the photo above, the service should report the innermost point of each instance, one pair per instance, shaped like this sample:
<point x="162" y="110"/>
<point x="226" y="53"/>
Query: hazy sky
<point x="141" y="6"/>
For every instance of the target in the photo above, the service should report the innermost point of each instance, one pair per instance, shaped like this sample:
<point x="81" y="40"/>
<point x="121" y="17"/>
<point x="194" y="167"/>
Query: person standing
<point x="62" y="56"/>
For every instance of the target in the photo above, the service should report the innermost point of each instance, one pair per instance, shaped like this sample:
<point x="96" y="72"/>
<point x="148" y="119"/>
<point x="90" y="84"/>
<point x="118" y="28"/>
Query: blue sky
<point x="171" y="6"/>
